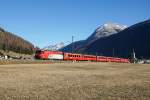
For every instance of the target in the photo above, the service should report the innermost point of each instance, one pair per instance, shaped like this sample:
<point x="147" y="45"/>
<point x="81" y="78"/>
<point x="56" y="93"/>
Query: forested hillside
<point x="11" y="42"/>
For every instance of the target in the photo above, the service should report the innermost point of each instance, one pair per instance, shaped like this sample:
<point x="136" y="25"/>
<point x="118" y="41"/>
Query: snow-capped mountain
<point x="135" y="37"/>
<point x="54" y="47"/>
<point x="105" y="30"/>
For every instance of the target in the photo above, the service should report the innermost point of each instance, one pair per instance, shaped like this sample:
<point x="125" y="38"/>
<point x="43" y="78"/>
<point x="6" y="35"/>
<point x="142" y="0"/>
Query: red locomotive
<point x="45" y="54"/>
<point x="56" y="55"/>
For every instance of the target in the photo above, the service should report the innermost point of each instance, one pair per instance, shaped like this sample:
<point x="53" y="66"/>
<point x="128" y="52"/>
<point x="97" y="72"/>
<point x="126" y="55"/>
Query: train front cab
<point x="40" y="54"/>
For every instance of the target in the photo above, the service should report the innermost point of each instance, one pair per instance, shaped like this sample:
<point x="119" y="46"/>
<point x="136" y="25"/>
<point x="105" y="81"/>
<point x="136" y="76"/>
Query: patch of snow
<point x="106" y="30"/>
<point x="54" y="47"/>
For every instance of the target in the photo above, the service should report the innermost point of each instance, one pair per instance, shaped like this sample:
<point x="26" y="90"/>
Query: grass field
<point x="75" y="81"/>
<point x="29" y="61"/>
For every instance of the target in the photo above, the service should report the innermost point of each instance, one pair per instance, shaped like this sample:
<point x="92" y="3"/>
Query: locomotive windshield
<point x="38" y="52"/>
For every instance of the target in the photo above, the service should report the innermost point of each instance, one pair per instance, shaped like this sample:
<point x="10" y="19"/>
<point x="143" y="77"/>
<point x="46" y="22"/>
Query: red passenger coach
<point x="89" y="58"/>
<point x="125" y="60"/>
<point x="101" y="59"/>
<point x="72" y="56"/>
<point x="79" y="57"/>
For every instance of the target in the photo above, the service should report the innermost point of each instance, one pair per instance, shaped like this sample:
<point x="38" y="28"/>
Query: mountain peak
<point x="105" y="30"/>
<point x="111" y="26"/>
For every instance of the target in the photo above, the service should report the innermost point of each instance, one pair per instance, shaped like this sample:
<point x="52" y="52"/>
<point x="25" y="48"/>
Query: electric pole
<point x="113" y="52"/>
<point x="72" y="43"/>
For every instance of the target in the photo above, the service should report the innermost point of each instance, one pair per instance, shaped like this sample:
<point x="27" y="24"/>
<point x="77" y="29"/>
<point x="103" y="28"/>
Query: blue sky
<point x="45" y="22"/>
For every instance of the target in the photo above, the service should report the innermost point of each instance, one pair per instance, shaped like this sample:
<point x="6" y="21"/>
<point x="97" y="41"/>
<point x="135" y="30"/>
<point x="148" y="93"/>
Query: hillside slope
<point x="11" y="42"/>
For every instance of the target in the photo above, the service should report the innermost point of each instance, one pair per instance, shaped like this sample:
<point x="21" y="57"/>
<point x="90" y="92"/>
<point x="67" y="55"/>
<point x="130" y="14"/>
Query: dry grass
<point x="29" y="61"/>
<point x="78" y="81"/>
